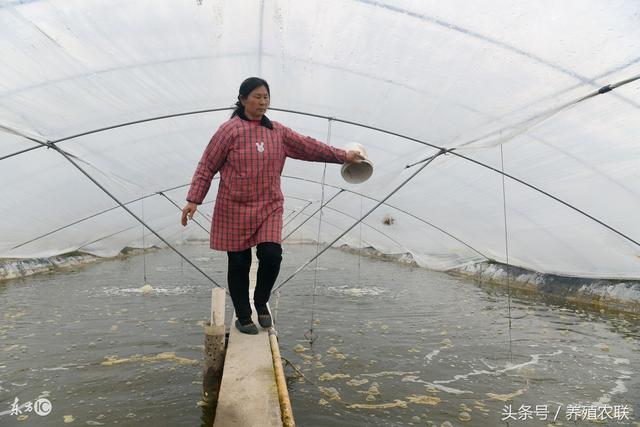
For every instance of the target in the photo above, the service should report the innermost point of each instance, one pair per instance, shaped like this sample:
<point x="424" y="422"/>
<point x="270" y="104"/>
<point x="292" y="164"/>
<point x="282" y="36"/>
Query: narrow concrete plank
<point x="248" y="393"/>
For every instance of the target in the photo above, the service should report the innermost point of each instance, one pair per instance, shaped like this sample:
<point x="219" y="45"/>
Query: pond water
<point x="368" y="343"/>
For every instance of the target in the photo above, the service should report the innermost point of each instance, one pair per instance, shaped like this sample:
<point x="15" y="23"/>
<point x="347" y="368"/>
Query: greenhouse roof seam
<point x="527" y="124"/>
<point x="467" y="32"/>
<point x="593" y="80"/>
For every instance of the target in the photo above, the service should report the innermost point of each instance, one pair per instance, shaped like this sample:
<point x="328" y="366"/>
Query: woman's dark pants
<point x="269" y="257"/>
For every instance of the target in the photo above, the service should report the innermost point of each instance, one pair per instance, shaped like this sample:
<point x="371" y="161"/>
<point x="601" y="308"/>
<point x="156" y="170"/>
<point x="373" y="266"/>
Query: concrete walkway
<point x="248" y="394"/>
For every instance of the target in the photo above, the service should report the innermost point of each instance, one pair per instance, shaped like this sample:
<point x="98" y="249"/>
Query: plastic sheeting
<point x="486" y="78"/>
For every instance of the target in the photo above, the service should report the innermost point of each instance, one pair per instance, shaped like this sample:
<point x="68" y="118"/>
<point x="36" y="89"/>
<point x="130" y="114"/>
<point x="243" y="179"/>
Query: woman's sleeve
<point x="301" y="147"/>
<point x="212" y="160"/>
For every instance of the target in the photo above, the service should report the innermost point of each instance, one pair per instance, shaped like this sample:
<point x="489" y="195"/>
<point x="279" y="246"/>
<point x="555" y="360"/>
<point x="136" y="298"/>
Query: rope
<point x="360" y="240"/>
<point x="181" y="260"/>
<point x="506" y="250"/>
<point x="144" y="252"/>
<point x="275" y="311"/>
<point x="396" y="208"/>
<point x="309" y="334"/>
<point x="395" y="190"/>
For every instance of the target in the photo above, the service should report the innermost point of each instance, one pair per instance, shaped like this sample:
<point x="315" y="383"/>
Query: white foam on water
<point x="451" y="390"/>
<point x="388" y="374"/>
<point x="57" y="368"/>
<point x="432" y="354"/>
<point x="178" y="290"/>
<point x="535" y="358"/>
<point x="619" y="388"/>
<point x="615" y="360"/>
<point x="356" y="292"/>
<point x="487" y="364"/>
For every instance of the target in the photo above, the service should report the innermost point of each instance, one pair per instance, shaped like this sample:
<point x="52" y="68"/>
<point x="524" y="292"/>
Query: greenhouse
<point x="487" y="273"/>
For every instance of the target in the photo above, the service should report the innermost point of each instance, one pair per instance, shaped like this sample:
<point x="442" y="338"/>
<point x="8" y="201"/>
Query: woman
<point x="249" y="151"/>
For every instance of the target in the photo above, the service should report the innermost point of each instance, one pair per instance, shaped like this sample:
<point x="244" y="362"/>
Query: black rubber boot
<point x="247" y="327"/>
<point x="264" y="317"/>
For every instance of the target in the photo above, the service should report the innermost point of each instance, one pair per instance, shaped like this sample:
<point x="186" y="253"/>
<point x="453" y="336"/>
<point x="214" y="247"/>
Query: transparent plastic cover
<point x="132" y="91"/>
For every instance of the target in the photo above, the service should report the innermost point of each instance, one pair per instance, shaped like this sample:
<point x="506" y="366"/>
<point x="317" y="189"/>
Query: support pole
<point x="283" y="393"/>
<point x="214" y="349"/>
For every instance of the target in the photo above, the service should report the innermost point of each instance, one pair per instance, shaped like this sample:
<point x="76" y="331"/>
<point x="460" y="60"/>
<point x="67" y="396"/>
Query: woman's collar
<point x="264" y="121"/>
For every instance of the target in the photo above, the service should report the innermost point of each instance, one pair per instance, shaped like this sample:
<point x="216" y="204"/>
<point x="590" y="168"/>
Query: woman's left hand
<point x="354" y="156"/>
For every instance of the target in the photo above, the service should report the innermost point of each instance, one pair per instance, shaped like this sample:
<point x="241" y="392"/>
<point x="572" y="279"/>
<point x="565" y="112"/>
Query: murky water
<point x="391" y="346"/>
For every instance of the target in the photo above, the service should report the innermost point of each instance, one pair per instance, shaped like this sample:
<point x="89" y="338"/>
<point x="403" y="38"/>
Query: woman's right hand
<point x="188" y="212"/>
<point x="354" y="156"/>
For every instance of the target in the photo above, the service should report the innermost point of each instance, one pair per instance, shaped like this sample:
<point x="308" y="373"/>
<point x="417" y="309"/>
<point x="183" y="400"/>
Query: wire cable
<point x="85" y="173"/>
<point x="360" y="240"/>
<point x="394" y="191"/>
<point x="528" y="124"/>
<point x="86" y="218"/>
<point x="144" y="251"/>
<point x="604" y="89"/>
<point x="309" y="334"/>
<point x="309" y="203"/>
<point x="506" y="250"/>
<point x="180" y="209"/>
<point x="322" y="205"/>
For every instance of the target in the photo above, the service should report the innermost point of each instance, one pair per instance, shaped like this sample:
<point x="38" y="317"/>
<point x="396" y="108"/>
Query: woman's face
<point x="256" y="104"/>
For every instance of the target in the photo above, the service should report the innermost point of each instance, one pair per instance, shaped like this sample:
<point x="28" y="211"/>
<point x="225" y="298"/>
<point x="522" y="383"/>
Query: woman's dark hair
<point x="246" y="88"/>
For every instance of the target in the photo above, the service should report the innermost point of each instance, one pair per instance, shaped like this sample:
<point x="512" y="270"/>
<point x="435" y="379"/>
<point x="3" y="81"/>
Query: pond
<point x="367" y="343"/>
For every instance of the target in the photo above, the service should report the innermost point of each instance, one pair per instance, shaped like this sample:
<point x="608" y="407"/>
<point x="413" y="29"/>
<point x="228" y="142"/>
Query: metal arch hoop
<point x="52" y="144"/>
